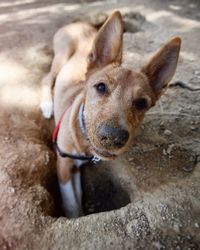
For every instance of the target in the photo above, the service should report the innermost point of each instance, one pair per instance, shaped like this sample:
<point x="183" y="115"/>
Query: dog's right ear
<point x="162" y="66"/>
<point x="107" y="47"/>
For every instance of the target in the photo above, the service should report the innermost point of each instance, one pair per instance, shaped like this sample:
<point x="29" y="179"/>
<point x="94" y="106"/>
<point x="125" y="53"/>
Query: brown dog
<point x="98" y="104"/>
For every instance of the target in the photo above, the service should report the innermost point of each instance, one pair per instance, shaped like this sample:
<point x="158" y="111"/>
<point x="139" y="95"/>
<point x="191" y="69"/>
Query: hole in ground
<point x="53" y="188"/>
<point x="101" y="192"/>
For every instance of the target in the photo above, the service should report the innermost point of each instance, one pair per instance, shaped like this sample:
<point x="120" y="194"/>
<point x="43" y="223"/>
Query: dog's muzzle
<point x="112" y="137"/>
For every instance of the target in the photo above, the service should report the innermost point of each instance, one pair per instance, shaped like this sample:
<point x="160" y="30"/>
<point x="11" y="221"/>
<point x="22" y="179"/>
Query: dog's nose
<point x="111" y="137"/>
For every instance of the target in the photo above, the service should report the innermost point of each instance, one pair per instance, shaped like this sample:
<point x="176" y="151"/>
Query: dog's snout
<point x="112" y="137"/>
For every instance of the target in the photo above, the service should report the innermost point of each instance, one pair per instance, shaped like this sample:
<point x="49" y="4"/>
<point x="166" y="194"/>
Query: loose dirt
<point x="146" y="199"/>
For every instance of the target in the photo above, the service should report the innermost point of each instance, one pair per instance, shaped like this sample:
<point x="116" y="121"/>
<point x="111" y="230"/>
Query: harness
<point x="63" y="154"/>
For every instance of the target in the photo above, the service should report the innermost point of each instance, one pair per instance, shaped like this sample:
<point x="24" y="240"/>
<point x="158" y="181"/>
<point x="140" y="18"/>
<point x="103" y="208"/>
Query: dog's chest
<point x="79" y="163"/>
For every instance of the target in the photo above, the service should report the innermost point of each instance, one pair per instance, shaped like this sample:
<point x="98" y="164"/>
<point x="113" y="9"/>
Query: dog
<point x="98" y="104"/>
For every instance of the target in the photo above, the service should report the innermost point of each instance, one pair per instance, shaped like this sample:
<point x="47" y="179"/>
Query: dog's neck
<point x="76" y="125"/>
<point x="81" y="120"/>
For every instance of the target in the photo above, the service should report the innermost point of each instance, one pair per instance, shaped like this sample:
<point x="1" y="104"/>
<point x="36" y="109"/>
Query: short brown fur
<point x="83" y="59"/>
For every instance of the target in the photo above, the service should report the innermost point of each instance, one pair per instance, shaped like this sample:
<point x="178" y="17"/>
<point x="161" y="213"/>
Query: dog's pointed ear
<point x="162" y="66"/>
<point x="107" y="46"/>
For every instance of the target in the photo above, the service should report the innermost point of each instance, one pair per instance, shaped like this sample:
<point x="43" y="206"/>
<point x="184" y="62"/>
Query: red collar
<point x="54" y="139"/>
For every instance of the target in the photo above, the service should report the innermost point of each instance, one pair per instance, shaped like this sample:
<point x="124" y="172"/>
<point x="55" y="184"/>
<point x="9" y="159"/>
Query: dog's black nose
<point x="111" y="137"/>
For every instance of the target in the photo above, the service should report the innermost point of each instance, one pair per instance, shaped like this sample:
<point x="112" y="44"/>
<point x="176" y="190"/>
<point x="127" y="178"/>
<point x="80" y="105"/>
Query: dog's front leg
<point x="65" y="177"/>
<point x="78" y="187"/>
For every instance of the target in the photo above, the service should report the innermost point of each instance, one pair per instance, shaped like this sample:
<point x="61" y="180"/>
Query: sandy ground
<point x="147" y="199"/>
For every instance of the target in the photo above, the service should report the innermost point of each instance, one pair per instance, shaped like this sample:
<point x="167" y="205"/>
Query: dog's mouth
<point x="100" y="153"/>
<point x="105" y="155"/>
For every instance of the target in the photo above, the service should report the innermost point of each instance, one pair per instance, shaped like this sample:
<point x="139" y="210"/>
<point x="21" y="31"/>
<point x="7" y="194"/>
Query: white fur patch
<point x="47" y="109"/>
<point x="77" y="187"/>
<point x="69" y="202"/>
<point x="79" y="163"/>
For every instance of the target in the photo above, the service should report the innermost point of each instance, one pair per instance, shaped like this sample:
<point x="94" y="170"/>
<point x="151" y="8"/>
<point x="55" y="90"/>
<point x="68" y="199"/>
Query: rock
<point x="167" y="132"/>
<point x="197" y="72"/>
<point x="164" y="152"/>
<point x="131" y="26"/>
<point x="96" y="19"/>
<point x="170" y="149"/>
<point x="46" y="158"/>
<point x="188" y="168"/>
<point x="12" y="189"/>
<point x="133" y="21"/>
<point x="130" y="158"/>
<point x="134" y="16"/>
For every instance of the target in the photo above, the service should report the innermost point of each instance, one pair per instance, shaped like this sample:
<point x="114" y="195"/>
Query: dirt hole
<point x="101" y="192"/>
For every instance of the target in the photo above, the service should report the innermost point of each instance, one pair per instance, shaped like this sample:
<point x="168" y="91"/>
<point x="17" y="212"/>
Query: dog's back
<point x="72" y="44"/>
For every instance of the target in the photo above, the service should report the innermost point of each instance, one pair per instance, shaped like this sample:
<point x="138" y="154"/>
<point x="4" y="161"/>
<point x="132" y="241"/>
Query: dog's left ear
<point x="107" y="47"/>
<point x="162" y="66"/>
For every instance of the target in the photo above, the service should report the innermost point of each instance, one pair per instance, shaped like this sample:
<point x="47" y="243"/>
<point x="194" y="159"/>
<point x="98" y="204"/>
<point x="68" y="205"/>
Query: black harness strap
<point x="72" y="156"/>
<point x="68" y="155"/>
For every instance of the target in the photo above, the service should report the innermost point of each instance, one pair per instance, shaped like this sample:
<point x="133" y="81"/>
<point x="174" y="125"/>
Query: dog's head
<point x="117" y="98"/>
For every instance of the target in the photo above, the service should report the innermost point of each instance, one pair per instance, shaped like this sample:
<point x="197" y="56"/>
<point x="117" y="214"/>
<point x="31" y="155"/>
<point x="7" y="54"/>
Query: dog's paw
<point x="47" y="109"/>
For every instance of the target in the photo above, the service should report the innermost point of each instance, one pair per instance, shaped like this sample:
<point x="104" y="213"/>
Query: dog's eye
<point x="140" y="103"/>
<point x="101" y="87"/>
